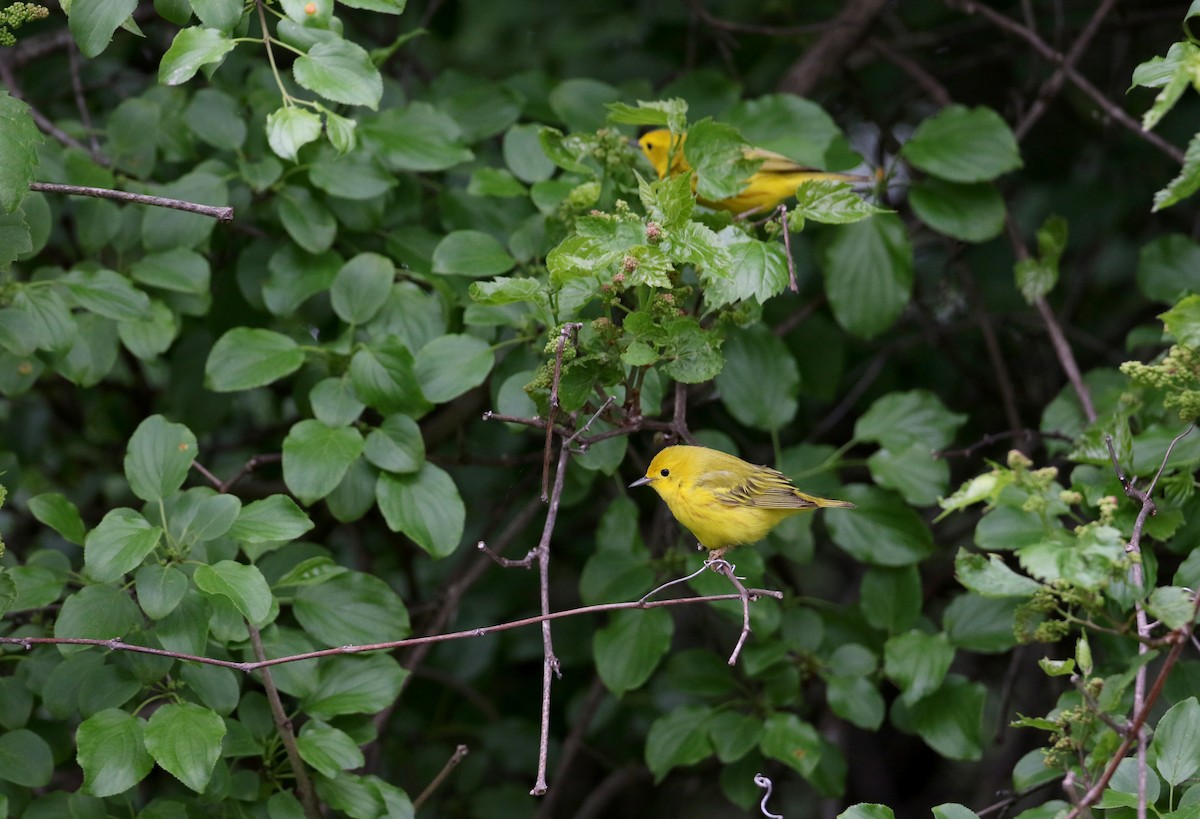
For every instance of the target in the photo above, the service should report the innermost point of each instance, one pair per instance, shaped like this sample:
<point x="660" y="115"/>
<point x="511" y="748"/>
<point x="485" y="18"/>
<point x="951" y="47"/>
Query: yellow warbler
<point x="775" y="180"/>
<point x="723" y="500"/>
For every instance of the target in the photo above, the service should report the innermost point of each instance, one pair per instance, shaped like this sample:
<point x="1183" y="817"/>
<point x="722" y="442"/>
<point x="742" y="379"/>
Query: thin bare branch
<point x="287" y="735"/>
<point x="459" y="754"/>
<point x="223" y="213"/>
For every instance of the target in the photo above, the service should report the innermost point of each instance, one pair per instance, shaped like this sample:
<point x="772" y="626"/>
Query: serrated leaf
<point x="92" y="24"/>
<point x="111" y="752"/>
<point x="832" y="202"/>
<point x="991" y="577"/>
<point x="185" y="741"/>
<point x="291" y="128"/>
<point x="19" y="138"/>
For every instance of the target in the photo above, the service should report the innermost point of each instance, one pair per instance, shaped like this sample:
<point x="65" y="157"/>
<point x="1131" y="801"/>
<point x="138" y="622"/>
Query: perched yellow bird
<point x="775" y="180"/>
<point x="723" y="500"/>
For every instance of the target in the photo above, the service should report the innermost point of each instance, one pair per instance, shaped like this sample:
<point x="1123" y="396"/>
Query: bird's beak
<point x="633" y="143"/>
<point x="641" y="482"/>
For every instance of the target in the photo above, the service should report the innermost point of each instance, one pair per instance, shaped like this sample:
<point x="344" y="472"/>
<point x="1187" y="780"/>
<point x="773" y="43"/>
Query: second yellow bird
<point x="774" y="182"/>
<point x="723" y="500"/>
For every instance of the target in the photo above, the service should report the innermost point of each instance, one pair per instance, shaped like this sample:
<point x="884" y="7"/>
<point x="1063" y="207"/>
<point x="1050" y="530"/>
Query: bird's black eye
<point x="665" y="472"/>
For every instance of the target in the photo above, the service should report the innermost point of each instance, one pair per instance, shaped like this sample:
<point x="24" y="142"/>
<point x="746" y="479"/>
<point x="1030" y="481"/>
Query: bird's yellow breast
<point x="715" y="524"/>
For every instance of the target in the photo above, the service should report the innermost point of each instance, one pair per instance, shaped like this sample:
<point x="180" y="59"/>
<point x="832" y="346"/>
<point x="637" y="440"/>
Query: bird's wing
<point x="775" y="163"/>
<point x="765" y="488"/>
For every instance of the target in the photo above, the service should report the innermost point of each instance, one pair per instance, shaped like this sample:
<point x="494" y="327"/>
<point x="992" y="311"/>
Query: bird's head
<point x="656" y="145"/>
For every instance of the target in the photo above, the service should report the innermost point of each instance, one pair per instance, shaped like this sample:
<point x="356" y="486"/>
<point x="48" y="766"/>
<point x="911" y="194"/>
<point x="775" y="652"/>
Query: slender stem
<point x="304" y="786"/>
<point x="550" y="665"/>
<point x="459" y="753"/>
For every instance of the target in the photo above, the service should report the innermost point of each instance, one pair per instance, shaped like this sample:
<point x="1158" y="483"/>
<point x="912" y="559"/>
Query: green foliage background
<point x="268" y="437"/>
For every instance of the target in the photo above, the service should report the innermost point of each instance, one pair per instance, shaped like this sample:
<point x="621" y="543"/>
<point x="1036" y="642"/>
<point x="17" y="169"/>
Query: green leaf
<point x="245" y="358"/>
<point x="185" y="741"/>
<point x="96" y="612"/>
<point x="327" y="749"/>
<point x="1173" y="606"/>
<point x="92" y="24"/>
<point x="508" y="290"/>
<point x="417" y="138"/>
<point x="524" y="156"/>
<point x="158" y="458"/>
<point x="19" y="139"/>
<point x="54" y="510"/>
<point x="310" y="224"/>
<point x="882" y="531"/>
<point x="760" y="382"/>
<point x="1176" y="739"/>
<point x="471" y="253"/>
<point x="580" y="103"/>
<point x="111" y="752"/>
<point x="1185" y="183"/>
<point x="425" y="506"/>
<point x="789" y="740"/>
<point x="334" y="402"/>
<point x="159" y="589"/>
<point x="192" y="49"/>
<point x="25" y="759"/>
<point x="1036" y="276"/>
<point x="1166" y="267"/>
<point x="396" y="446"/>
<point x="296" y="276"/>
<point x="832" y="202"/>
<point x="214" y="116"/>
<point x="733" y="735"/>
<point x="243" y="585"/>
<point x="356" y="176"/>
<point x="361" y="287"/>
<point x="93" y="352"/>
<point x="150" y="337"/>
<point x="342" y="71"/>
<point x="795" y="127"/>
<point x="900" y="419"/>
<point x="756" y="268"/>
<point x="383" y="377"/>
<point x="963" y="144"/>
<point x="990" y="577"/>
<point x="969" y="212"/>
<point x="890" y="598"/>
<point x="107" y="294"/>
<point x="351" y="608"/>
<point x="630" y="647"/>
<point x="270" y="520"/>
<point x="694" y="353"/>
<point x="1173" y="74"/>
<point x="856" y="700"/>
<point x="354" y="685"/>
<point x="718" y="153"/>
<point x="920" y="478"/>
<point x="291" y="128"/>
<point x="865" y="811"/>
<point x="452" y="364"/>
<point x="953" y="810"/>
<point x="678" y="738"/>
<point x="316" y="456"/>
<point x="917" y="663"/>
<point x="1183" y="321"/>
<point x="119" y="544"/>
<point x="868" y="269"/>
<point x="950" y="720"/>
